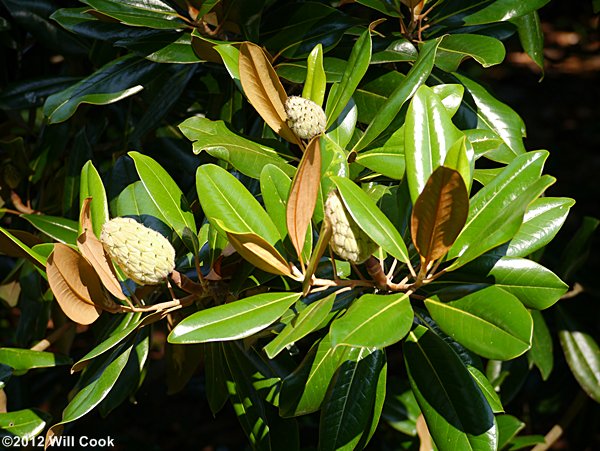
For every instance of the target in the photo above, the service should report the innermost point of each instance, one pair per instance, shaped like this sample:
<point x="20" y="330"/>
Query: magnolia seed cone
<point x="305" y="117"/>
<point x="347" y="239"/>
<point x="144" y="255"/>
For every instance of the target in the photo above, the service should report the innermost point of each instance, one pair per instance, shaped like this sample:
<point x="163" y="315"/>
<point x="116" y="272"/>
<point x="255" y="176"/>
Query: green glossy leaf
<point x="496" y="116"/>
<point x="496" y="211"/>
<point x="225" y="199"/>
<point x="304" y="390"/>
<point x="164" y="193"/>
<point x="334" y="162"/>
<point x="136" y="201"/>
<point x="534" y="285"/>
<point x="347" y="410"/>
<point x="11" y="245"/>
<point x="90" y="185"/>
<point x="32" y="93"/>
<point x="451" y="96"/>
<point x="128" y="325"/>
<point x="476" y="12"/>
<point x="457" y="414"/>
<point x="372" y="95"/>
<point x="26" y="424"/>
<point x="397" y="50"/>
<point x="294" y="29"/>
<point x="380" y="394"/>
<point x="531" y="36"/>
<point x="582" y="353"/>
<point x="391" y="313"/>
<point x="131" y="376"/>
<point x="246" y="156"/>
<point x="295" y="71"/>
<point x="142" y="13"/>
<point x="162" y="47"/>
<point x="490" y="322"/>
<point x="248" y="404"/>
<point x="461" y="158"/>
<point x="508" y="428"/>
<point x="388" y="7"/>
<point x="24" y="359"/>
<point x="114" y="81"/>
<point x="428" y="135"/>
<point x="370" y="219"/>
<point x="307" y="321"/>
<point x="486" y="144"/>
<point x="541" y="354"/>
<point x="32" y="16"/>
<point x="231" y="57"/>
<point x="357" y="65"/>
<point x="542" y="221"/>
<point x="485" y="176"/>
<point x="455" y="48"/>
<point x="275" y="189"/>
<point x="96" y="383"/>
<point x="233" y="321"/>
<point x="387" y="159"/>
<point x="343" y="127"/>
<point x="403" y="91"/>
<point x="216" y="388"/>
<point x="60" y="229"/>
<point x="315" y="84"/>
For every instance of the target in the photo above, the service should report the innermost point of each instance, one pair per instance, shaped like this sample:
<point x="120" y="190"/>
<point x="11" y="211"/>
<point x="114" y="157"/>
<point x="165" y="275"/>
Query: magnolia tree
<point x="356" y="197"/>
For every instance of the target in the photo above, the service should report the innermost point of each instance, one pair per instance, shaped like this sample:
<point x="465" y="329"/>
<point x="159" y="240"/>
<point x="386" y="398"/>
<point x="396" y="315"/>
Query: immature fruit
<point x="144" y="255"/>
<point x="305" y="117"/>
<point x="347" y="239"/>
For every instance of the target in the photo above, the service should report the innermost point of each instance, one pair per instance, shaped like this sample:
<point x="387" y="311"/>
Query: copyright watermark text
<point x="63" y="441"/>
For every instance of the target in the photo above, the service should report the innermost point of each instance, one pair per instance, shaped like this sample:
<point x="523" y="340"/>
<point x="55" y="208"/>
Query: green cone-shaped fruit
<point x="305" y="117"/>
<point x="347" y="239"/>
<point x="144" y="255"/>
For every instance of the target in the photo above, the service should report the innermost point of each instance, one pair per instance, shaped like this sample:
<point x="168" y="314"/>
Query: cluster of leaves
<point x="428" y="164"/>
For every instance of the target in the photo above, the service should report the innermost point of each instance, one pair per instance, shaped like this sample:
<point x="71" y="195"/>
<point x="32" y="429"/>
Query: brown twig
<point x="20" y="206"/>
<point x="577" y="290"/>
<point x="47" y="342"/>
<point x="558" y="429"/>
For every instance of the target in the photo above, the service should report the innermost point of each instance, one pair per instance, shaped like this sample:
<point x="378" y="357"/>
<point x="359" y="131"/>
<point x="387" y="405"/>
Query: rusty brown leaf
<point x="303" y="195"/>
<point x="76" y="286"/>
<point x="259" y="252"/>
<point x="264" y="89"/>
<point x="439" y="214"/>
<point x="93" y="251"/>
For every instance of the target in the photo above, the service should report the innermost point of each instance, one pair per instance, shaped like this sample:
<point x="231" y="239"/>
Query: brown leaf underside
<point x="264" y="89"/>
<point x="303" y="195"/>
<point x="439" y="214"/>
<point x="93" y="251"/>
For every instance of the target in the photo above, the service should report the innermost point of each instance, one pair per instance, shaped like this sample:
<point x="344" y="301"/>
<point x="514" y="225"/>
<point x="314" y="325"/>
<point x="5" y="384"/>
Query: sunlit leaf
<point x="315" y="83"/>
<point x="391" y="313"/>
<point x="233" y="321"/>
<point x="490" y="322"/>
